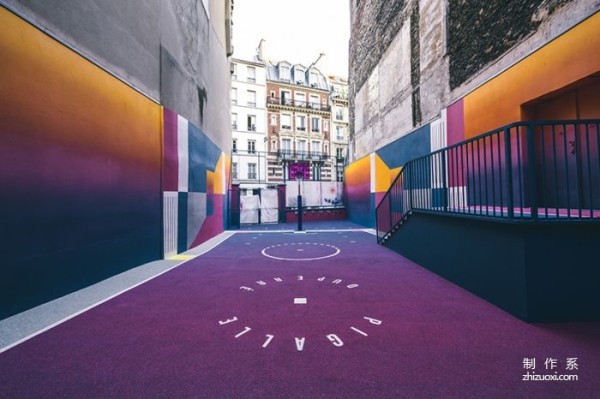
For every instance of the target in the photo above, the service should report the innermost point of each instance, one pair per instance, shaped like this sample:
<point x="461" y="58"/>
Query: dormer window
<point x="299" y="76"/>
<point x="313" y="79"/>
<point x="284" y="73"/>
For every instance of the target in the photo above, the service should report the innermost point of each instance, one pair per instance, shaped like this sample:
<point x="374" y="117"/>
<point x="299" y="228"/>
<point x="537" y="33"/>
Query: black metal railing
<point x="290" y="155"/>
<point x="299" y="104"/>
<point x="538" y="171"/>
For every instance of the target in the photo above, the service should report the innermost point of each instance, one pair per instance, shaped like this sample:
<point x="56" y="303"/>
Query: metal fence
<point x="536" y="171"/>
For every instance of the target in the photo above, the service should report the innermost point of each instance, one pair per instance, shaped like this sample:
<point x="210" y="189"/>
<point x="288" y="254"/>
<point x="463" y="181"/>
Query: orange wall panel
<point x="567" y="59"/>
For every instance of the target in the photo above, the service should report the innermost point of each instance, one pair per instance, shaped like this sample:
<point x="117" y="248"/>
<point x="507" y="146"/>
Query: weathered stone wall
<point x="411" y="68"/>
<point x="406" y="67"/>
<point x="480" y="31"/>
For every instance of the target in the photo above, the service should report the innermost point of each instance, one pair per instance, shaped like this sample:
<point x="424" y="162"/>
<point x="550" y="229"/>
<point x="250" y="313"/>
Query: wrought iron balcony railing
<point x="288" y="102"/>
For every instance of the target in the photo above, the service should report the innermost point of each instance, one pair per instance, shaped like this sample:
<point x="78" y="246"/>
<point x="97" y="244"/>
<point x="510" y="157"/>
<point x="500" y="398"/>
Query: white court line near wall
<point x="21" y="327"/>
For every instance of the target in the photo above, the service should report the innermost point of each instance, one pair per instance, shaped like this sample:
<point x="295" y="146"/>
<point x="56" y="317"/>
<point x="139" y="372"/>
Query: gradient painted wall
<point x="86" y="166"/>
<point x="359" y="199"/>
<point x="80" y="163"/>
<point x="569" y="58"/>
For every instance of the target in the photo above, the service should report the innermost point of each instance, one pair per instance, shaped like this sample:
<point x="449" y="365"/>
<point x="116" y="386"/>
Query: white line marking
<point x="337" y="251"/>
<point x="196" y="251"/>
<point x="299" y="301"/>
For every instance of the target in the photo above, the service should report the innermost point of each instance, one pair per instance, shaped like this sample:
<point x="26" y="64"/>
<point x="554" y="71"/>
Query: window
<point x="286" y="121"/>
<point x="234" y="71"/>
<point x="252" y="171"/>
<point x="234" y="170"/>
<point x="339" y="114"/>
<point x="301" y="147"/>
<point x="300" y="99"/>
<point x="234" y="95"/>
<point x="251" y="98"/>
<point x="315" y="148"/>
<point x="273" y="120"/>
<point x="284" y="73"/>
<point x="286" y="146"/>
<point x="340" y="174"/>
<point x="234" y="146"/>
<point x="313" y="79"/>
<point x="252" y="123"/>
<point x="251" y="146"/>
<point x="316" y="171"/>
<point x="339" y="154"/>
<point x="301" y="123"/>
<point x="315" y="122"/>
<point x="314" y="101"/>
<point x="286" y="97"/>
<point x="339" y="134"/>
<point x="251" y="74"/>
<point x="325" y="125"/>
<point x="299" y="75"/>
<point x="234" y="121"/>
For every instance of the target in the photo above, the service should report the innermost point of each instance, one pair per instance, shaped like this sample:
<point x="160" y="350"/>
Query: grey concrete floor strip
<point x="23" y="326"/>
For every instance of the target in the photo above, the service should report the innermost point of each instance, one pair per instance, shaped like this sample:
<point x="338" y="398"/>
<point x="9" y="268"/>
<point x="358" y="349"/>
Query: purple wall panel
<point x="456" y="123"/>
<point x="170" y="167"/>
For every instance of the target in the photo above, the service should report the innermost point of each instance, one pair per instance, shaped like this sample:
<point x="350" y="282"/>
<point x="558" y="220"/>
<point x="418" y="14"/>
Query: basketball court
<point x="283" y="314"/>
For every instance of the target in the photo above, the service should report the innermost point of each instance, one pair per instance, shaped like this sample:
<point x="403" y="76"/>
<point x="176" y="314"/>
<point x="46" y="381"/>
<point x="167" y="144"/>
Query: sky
<point x="295" y="31"/>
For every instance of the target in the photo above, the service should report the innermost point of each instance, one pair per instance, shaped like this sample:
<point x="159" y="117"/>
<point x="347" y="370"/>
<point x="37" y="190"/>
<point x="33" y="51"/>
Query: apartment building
<point x="339" y="124"/>
<point x="248" y="125"/>
<point x="298" y="123"/>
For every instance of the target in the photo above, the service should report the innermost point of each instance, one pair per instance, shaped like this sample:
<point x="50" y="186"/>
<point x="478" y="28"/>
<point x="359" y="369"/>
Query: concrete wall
<point x="170" y="51"/>
<point x="536" y="272"/>
<point x="110" y="112"/>
<point x="463" y="69"/>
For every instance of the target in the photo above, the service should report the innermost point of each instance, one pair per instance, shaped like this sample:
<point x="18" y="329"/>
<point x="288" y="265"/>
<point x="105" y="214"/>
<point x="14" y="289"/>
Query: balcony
<point x="288" y="102"/>
<point x="289" y="155"/>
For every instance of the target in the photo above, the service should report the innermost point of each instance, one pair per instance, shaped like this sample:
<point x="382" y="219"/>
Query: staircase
<point x="532" y="171"/>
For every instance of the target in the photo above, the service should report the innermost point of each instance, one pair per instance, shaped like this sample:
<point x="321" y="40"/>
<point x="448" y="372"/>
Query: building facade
<point x="298" y="123"/>
<point x="339" y="124"/>
<point x="434" y="73"/>
<point x="248" y="124"/>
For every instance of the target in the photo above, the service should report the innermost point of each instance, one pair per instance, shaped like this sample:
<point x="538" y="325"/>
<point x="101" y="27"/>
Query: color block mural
<point x="80" y="165"/>
<point x="368" y="179"/>
<point x="194" y="184"/>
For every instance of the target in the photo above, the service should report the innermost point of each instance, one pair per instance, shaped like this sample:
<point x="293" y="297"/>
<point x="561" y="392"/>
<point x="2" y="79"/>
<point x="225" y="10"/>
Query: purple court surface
<point x="315" y="315"/>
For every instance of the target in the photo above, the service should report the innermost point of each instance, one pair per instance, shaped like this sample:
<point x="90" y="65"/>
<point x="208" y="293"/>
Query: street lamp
<point x="299" y="180"/>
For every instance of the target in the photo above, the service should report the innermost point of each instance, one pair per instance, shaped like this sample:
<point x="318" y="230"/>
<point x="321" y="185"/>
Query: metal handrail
<point x="533" y="171"/>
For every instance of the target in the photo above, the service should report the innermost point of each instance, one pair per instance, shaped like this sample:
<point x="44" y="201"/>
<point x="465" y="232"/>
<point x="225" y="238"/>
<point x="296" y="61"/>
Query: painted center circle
<point x="300" y="251"/>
